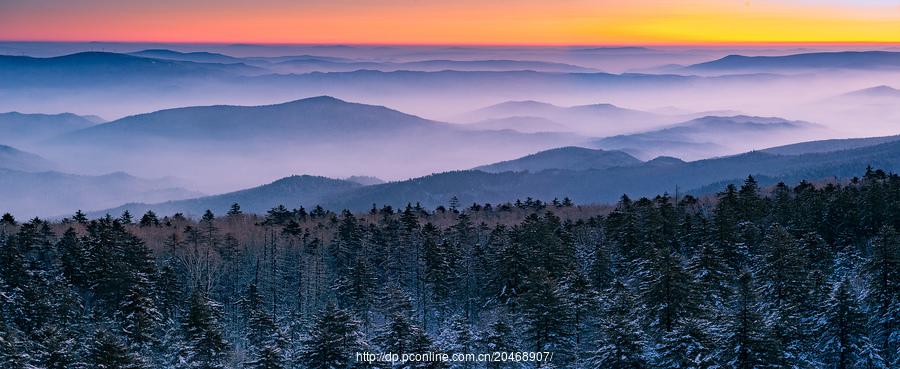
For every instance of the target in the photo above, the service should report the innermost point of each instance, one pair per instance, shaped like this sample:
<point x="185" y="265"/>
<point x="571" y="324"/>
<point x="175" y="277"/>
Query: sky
<point x="489" y="22"/>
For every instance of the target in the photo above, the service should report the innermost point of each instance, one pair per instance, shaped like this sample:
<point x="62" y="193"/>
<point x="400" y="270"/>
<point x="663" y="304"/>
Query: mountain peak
<point x="567" y="158"/>
<point x="877" y="91"/>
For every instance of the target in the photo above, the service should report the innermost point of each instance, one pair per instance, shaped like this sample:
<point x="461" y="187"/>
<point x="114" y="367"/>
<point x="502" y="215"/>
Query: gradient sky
<point x="453" y="21"/>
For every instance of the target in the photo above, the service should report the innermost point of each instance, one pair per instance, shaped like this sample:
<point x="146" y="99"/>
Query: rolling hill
<point x="87" y="68"/>
<point x="520" y="124"/>
<point x="291" y="191"/>
<point x="861" y="60"/>
<point x="314" y="118"/>
<point x="567" y="158"/>
<point x="16" y="128"/>
<point x="14" y="159"/>
<point x="711" y="136"/>
<point x="829" y="145"/>
<point x="315" y="64"/>
<point x="584" y="186"/>
<point x="321" y="135"/>
<point x="197" y="56"/>
<point x="594" y="119"/>
<point x="30" y="194"/>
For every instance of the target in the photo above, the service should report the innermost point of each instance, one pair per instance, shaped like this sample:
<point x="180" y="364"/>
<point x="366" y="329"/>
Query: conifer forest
<point x="804" y="276"/>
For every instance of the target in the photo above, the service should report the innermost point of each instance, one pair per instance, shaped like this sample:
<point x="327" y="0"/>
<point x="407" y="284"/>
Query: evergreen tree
<point x="205" y="346"/>
<point x="665" y="289"/>
<point x="234" y="210"/>
<point x="547" y="318"/>
<point x="582" y="299"/>
<point x="622" y="343"/>
<point x="883" y="269"/>
<point x="748" y="344"/>
<point x="844" y="341"/>
<point x="126" y="217"/>
<point x="333" y="341"/>
<point x="149" y="219"/>
<point x="79" y="217"/>
<point x="139" y="317"/>
<point x="108" y="352"/>
<point x="13" y="354"/>
<point x="498" y="338"/>
<point x="457" y="337"/>
<point x="689" y="345"/>
<point x="8" y="219"/>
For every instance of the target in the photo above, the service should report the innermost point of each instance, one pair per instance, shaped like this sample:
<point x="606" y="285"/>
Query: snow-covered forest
<point x="783" y="277"/>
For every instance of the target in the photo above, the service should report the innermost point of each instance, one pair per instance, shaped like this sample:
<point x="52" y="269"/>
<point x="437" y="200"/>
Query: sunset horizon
<point x="497" y="22"/>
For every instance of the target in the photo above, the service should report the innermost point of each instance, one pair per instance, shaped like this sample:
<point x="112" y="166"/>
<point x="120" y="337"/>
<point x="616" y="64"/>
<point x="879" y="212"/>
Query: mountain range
<point x="18" y="128"/>
<point x="15" y="159"/>
<point x="711" y="136"/>
<point x="593" y="119"/>
<point x="591" y="185"/>
<point x="859" y="60"/>
<point x="321" y="135"/>
<point x="47" y="193"/>
<point x="565" y="158"/>
<point x="104" y="68"/>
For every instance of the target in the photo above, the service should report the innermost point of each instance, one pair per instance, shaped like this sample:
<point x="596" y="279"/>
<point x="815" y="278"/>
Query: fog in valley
<point x="189" y="120"/>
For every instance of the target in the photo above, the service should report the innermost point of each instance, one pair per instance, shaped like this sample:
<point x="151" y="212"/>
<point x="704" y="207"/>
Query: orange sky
<point x="453" y="21"/>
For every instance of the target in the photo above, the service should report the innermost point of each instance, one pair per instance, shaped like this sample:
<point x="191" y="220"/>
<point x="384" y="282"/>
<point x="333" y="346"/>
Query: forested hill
<point x="805" y="277"/>
<point x="552" y="178"/>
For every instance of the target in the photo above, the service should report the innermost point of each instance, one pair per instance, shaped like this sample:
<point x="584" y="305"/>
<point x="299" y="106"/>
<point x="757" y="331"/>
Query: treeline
<point x="802" y="277"/>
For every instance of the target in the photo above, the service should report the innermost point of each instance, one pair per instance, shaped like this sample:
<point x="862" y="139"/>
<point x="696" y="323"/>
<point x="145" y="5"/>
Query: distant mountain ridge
<point x="293" y="191"/>
<point x="15" y="159"/>
<point x="197" y="56"/>
<point x="707" y="136"/>
<point x="316" y="116"/>
<point x="311" y="135"/>
<point x="819" y="60"/>
<point x="566" y="158"/>
<point x="105" y="68"/>
<point x="830" y="145"/>
<point x="592" y="185"/>
<point x="594" y="119"/>
<point x="18" y="127"/>
<point x="50" y="193"/>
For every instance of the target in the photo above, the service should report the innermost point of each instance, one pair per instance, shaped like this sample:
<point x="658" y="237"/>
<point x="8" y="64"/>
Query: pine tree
<point x="547" y="318"/>
<point x="688" y="346"/>
<point x="149" y="219"/>
<point x="498" y="338"/>
<point x="13" y="354"/>
<point x="73" y="258"/>
<point x="421" y="343"/>
<point x="126" y="217"/>
<point x="269" y="356"/>
<point x="622" y="343"/>
<point x="582" y="298"/>
<point x="108" y="352"/>
<point x="234" y="210"/>
<point x="748" y="344"/>
<point x="883" y="269"/>
<point x="205" y="345"/>
<point x="843" y="340"/>
<point x="263" y="338"/>
<point x="711" y="277"/>
<point x="333" y="341"/>
<point x="8" y="219"/>
<point x="79" y="217"/>
<point x="457" y="337"/>
<point x="355" y="289"/>
<point x="665" y="289"/>
<point x="139" y="317"/>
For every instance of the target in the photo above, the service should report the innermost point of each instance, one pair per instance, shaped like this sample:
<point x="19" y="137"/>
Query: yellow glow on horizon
<point x="462" y="22"/>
